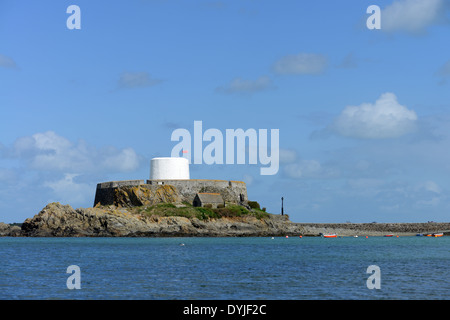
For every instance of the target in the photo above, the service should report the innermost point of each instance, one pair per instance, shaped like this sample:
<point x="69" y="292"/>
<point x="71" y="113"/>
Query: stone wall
<point x="231" y="191"/>
<point x="105" y="193"/>
<point x="124" y="183"/>
<point x="374" y="229"/>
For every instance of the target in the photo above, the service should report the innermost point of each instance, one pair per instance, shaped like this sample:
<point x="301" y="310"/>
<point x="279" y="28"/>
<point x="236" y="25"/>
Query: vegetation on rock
<point x="202" y="213"/>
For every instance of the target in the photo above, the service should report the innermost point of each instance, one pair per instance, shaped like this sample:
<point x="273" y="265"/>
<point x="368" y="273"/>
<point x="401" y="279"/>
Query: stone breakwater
<point x="57" y="220"/>
<point x="374" y="229"/>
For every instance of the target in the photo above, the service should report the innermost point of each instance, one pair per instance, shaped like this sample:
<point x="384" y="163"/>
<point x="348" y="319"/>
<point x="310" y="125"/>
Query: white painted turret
<point x="169" y="169"/>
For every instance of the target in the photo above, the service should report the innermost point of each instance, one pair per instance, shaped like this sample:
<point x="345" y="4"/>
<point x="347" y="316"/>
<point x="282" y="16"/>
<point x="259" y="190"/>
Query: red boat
<point x="388" y="235"/>
<point x="435" y="235"/>
<point x="333" y="235"/>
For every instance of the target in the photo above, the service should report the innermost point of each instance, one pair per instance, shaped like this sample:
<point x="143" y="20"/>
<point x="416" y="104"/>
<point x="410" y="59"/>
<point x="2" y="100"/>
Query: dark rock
<point x="7" y="230"/>
<point x="57" y="220"/>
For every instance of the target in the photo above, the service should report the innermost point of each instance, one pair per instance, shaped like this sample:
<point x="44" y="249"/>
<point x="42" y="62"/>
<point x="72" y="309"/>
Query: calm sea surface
<point x="225" y="268"/>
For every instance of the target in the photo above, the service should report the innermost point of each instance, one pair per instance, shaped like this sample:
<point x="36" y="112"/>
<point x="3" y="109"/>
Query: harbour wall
<point x="375" y="229"/>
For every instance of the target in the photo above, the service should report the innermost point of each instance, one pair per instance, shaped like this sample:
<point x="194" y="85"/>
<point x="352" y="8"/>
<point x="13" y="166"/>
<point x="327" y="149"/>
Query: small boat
<point x="331" y="235"/>
<point x="419" y="235"/>
<point x="388" y="235"/>
<point x="437" y="234"/>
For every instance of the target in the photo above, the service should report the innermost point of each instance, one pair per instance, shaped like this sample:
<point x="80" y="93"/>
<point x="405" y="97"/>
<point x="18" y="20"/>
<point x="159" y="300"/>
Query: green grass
<point x="260" y="214"/>
<point x="254" y="205"/>
<point x="188" y="211"/>
<point x="205" y="213"/>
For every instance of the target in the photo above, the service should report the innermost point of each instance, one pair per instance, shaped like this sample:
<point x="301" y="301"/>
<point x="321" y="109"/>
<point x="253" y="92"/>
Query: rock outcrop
<point x="57" y="220"/>
<point x="7" y="230"/>
<point x="137" y="196"/>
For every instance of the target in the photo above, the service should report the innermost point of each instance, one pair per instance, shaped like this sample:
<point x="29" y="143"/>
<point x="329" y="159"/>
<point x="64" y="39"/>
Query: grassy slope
<point x="188" y="211"/>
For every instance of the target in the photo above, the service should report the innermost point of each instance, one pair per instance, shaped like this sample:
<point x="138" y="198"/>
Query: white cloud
<point x="432" y="187"/>
<point x="309" y="169"/>
<point x="248" y="179"/>
<point x="66" y="190"/>
<point x="7" y="175"/>
<point x="129" y="80"/>
<point x="60" y="169"/>
<point x="239" y="85"/>
<point x="349" y="62"/>
<point x="7" y="62"/>
<point x="385" y="118"/>
<point x="412" y="15"/>
<point x="303" y="169"/>
<point x="444" y="70"/>
<point x="50" y="152"/>
<point x="302" y="63"/>
<point x="363" y="184"/>
<point x="125" y="160"/>
<point x="428" y="194"/>
<point x="287" y="155"/>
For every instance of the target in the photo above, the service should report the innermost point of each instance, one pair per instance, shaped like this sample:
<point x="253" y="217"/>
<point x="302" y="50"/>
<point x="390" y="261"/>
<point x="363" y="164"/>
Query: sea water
<point x="277" y="268"/>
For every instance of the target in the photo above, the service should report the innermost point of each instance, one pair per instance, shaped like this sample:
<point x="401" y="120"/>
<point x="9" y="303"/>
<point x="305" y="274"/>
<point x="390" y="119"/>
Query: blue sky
<point x="364" y="115"/>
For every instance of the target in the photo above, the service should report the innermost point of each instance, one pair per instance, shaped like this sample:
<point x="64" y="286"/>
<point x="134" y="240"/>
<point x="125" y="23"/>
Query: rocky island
<point x="57" y="220"/>
<point x="171" y="204"/>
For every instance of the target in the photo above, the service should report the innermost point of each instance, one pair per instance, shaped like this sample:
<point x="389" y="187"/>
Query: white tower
<point x="169" y="169"/>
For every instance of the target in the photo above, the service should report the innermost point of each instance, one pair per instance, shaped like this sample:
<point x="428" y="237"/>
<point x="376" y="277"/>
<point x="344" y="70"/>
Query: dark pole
<point x="282" y="209"/>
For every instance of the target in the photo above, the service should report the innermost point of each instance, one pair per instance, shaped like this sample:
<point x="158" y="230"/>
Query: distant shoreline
<point x="376" y="229"/>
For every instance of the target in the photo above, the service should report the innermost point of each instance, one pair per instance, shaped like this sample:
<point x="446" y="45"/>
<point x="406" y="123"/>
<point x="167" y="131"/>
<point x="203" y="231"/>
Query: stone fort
<point x="172" y="174"/>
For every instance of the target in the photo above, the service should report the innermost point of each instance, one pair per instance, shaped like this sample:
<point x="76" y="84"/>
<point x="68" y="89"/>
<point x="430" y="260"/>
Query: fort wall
<point x="231" y="191"/>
